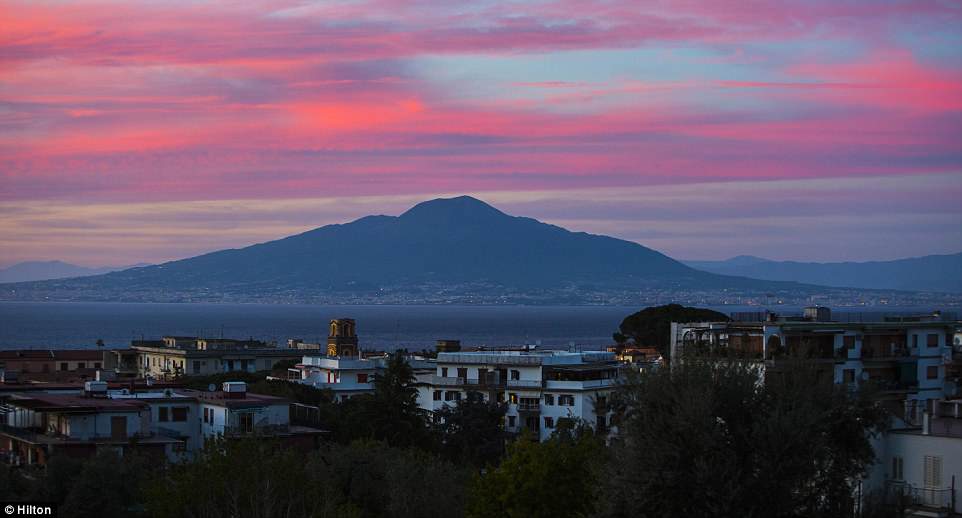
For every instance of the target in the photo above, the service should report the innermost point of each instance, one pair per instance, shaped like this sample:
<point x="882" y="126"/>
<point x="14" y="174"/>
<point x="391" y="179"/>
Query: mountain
<point x="43" y="270"/>
<point x="445" y="250"/>
<point x="934" y="273"/>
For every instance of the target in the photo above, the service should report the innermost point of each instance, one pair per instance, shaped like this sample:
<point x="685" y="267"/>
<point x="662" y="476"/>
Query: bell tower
<point x="342" y="339"/>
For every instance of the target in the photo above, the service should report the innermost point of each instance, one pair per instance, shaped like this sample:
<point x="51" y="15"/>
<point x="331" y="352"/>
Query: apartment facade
<point x="50" y="364"/>
<point x="539" y="388"/>
<point x="911" y="359"/>
<point x="173" y="423"/>
<point x="173" y="357"/>
<point x="36" y="425"/>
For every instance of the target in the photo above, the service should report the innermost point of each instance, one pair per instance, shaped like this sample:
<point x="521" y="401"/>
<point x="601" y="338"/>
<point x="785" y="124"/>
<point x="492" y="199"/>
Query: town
<point x="175" y="398"/>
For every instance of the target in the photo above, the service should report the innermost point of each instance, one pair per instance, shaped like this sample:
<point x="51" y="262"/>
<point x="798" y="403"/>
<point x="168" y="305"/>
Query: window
<point x="63" y="366"/>
<point x="205" y="415"/>
<point x="500" y="397"/>
<point x="450" y="395"/>
<point x="549" y="399"/>
<point x="933" y="471"/>
<point x="362" y="377"/>
<point x="162" y="414"/>
<point x="444" y="372"/>
<point x="178" y="414"/>
<point x="915" y="340"/>
<point x="897" y="468"/>
<point x="849" y="342"/>
<point x="932" y="372"/>
<point x="82" y="365"/>
<point x="848" y="376"/>
<point x="196" y="367"/>
<point x="515" y="374"/>
<point x="462" y="372"/>
<point x="437" y="395"/>
<point x="96" y="365"/>
<point x="932" y="340"/>
<point x="246" y="422"/>
<point x="513" y="398"/>
<point x="566" y="400"/>
<point x="457" y="396"/>
<point x="512" y="420"/>
<point x="549" y="422"/>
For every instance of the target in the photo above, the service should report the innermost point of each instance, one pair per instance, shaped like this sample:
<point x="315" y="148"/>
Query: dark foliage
<point x="712" y="440"/>
<point x="651" y="327"/>
<point x="472" y="432"/>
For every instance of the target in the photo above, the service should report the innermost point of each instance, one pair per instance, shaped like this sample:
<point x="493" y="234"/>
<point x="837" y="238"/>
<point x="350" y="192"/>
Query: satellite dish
<point x="212" y="388"/>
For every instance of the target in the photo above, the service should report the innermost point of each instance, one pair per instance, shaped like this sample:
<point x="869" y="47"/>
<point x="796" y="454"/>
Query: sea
<point x="60" y="325"/>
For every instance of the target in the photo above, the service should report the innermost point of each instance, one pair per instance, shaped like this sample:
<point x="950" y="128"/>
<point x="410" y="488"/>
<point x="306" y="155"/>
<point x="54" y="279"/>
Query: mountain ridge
<point x="935" y="272"/>
<point x="460" y="249"/>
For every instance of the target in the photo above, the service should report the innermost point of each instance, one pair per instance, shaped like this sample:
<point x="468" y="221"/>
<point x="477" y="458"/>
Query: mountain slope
<point x="44" y="270"/>
<point x="936" y="273"/>
<point x="458" y="245"/>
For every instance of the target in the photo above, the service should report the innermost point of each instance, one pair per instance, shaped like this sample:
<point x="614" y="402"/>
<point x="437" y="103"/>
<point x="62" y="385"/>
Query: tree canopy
<point x="651" y="327"/>
<point x="714" y="440"/>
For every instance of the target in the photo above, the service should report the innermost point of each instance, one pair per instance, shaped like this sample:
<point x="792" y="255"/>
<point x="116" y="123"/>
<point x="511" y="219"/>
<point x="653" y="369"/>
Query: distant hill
<point x="458" y="249"/>
<point x="934" y="273"/>
<point x="44" y="270"/>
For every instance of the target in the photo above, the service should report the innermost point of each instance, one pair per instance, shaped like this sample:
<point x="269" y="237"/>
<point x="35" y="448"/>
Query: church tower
<point x="342" y="340"/>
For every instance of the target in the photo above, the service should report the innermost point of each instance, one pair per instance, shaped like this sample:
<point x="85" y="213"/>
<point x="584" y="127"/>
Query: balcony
<point x="904" y="495"/>
<point x="529" y="406"/>
<point x="266" y="429"/>
<point x="524" y="384"/>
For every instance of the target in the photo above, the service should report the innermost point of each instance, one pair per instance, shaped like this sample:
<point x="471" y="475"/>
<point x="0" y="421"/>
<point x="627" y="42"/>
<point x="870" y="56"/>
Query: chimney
<point x="95" y="389"/>
<point x="234" y="389"/>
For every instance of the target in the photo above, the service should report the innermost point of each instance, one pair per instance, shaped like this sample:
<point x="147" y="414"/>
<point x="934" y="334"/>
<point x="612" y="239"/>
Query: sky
<point x="149" y="130"/>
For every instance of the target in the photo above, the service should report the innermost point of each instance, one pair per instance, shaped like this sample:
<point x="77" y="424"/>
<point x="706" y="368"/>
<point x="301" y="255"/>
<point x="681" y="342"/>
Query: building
<point x="920" y="468"/>
<point x="540" y="388"/>
<point x="914" y="362"/>
<point x="36" y="425"/>
<point x="173" y="423"/>
<point x="345" y="377"/>
<point x="192" y="356"/>
<point x="57" y="365"/>
<point x="342" y="340"/>
<point x="910" y="359"/>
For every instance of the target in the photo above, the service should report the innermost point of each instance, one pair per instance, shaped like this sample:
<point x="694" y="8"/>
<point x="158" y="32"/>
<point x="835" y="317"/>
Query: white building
<point x="348" y="377"/>
<point x="540" y="388"/>
<point x="920" y="468"/>
<point x="173" y="423"/>
<point x="910" y="359"/>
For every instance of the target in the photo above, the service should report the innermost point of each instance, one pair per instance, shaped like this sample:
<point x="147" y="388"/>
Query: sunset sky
<point x="144" y="131"/>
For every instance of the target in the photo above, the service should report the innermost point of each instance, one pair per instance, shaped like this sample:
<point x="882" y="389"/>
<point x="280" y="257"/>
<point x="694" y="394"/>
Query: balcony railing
<point x="529" y="407"/>
<point x="904" y="494"/>
<point x="267" y="429"/>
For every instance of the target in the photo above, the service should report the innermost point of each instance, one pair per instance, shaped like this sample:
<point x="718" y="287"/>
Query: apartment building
<point x="173" y="423"/>
<point x="540" y="388"/>
<point x="36" y="425"/>
<point x="914" y="363"/>
<point x="193" y="356"/>
<point x="920" y="468"/>
<point x="910" y="359"/>
<point x="50" y="364"/>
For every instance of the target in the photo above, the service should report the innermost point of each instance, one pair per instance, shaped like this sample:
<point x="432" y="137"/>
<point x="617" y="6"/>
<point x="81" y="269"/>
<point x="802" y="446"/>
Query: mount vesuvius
<point x="461" y="247"/>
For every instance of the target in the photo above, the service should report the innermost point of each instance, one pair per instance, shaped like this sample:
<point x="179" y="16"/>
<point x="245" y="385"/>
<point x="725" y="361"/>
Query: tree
<point x="555" y="478"/>
<point x="712" y="439"/>
<point x="472" y="431"/>
<point x="391" y="413"/>
<point x="651" y="327"/>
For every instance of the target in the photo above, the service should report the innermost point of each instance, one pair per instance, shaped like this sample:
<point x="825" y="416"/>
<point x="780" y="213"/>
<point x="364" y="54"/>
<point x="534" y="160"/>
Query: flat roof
<point x="73" y="403"/>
